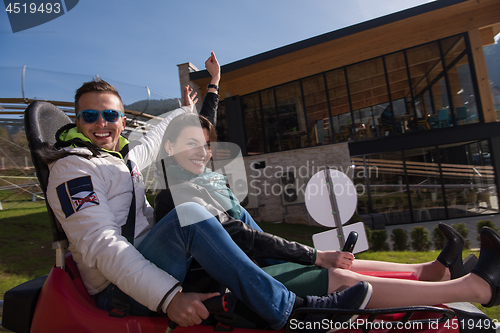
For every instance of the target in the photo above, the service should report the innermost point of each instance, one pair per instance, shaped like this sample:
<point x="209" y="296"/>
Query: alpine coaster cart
<point x="58" y="302"/>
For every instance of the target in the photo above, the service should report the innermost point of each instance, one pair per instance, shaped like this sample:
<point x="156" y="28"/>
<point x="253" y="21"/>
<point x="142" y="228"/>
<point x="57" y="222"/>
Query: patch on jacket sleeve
<point x="77" y="194"/>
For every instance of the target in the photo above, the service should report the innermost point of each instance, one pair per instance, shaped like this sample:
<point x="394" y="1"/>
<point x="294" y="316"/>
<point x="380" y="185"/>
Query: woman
<point x="183" y="167"/>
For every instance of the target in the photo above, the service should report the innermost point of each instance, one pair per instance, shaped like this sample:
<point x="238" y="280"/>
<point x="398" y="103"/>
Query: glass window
<point x="364" y="118"/>
<point x="468" y="179"/>
<point x="424" y="87"/>
<point x="359" y="175"/>
<point x="398" y="76"/>
<point x="424" y="181"/>
<point x="368" y="87"/>
<point x="464" y="170"/>
<point x="460" y="79"/>
<point x="399" y="86"/>
<point x="387" y="188"/>
<point x="270" y="120"/>
<point x="292" y="122"/>
<point x="339" y="104"/>
<point x="429" y="86"/>
<point x="342" y="124"/>
<point x="488" y="196"/>
<point x="250" y="105"/>
<point x="378" y="129"/>
<point x="491" y="55"/>
<point x="317" y="111"/>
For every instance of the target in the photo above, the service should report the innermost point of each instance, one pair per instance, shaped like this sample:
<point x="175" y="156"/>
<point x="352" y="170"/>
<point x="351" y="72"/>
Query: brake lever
<point x="350" y="242"/>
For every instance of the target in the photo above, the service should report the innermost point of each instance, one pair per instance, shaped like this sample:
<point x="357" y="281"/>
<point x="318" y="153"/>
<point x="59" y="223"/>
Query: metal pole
<point x="149" y="98"/>
<point x="22" y="84"/>
<point x="334" y="206"/>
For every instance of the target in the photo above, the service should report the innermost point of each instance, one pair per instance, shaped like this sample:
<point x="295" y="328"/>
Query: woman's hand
<point x="188" y="97"/>
<point x="212" y="66"/>
<point x="187" y="309"/>
<point x="334" y="259"/>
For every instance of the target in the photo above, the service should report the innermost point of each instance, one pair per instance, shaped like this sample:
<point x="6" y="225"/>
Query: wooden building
<point x="406" y="96"/>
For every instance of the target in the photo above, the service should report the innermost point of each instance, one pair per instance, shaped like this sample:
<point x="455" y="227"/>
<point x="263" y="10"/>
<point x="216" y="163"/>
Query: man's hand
<point x="212" y="66"/>
<point x="188" y="97"/>
<point x="187" y="309"/>
<point x="334" y="259"/>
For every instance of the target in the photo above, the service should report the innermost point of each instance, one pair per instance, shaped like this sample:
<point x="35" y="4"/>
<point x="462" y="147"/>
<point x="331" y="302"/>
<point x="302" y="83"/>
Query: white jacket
<point x="91" y="198"/>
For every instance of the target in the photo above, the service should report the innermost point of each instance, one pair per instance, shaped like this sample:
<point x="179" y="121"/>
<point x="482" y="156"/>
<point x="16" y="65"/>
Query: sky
<point x="134" y="44"/>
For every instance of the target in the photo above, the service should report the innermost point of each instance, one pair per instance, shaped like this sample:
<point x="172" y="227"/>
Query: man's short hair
<point x="97" y="85"/>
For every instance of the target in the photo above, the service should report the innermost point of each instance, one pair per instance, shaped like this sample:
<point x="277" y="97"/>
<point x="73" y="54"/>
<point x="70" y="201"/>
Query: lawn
<point x="25" y="243"/>
<point x="26" y="239"/>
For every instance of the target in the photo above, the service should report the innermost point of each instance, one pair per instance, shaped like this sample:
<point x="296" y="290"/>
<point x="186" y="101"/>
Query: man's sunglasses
<point x="91" y="116"/>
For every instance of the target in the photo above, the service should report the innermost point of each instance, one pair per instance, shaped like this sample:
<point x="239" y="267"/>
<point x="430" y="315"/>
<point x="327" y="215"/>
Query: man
<point x="91" y="190"/>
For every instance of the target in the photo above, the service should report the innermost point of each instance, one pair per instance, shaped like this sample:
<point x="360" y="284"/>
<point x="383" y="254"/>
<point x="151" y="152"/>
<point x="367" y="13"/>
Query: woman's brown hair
<point x="175" y="128"/>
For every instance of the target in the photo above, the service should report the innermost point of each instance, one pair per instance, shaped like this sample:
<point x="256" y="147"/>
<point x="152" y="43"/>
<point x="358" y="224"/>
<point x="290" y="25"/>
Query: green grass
<point x="406" y="257"/>
<point x="294" y="232"/>
<point x="25" y="243"/>
<point x="26" y="238"/>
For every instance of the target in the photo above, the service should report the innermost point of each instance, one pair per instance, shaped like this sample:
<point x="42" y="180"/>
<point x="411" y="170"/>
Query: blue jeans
<point x="248" y="219"/>
<point x="174" y="241"/>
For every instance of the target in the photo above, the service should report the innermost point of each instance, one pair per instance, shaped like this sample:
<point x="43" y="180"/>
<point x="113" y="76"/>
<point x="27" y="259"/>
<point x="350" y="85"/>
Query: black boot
<point x="488" y="265"/>
<point x="451" y="256"/>
<point x="469" y="263"/>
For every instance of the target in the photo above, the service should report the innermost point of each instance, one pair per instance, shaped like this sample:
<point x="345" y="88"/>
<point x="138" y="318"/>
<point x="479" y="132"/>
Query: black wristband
<point x="216" y="87"/>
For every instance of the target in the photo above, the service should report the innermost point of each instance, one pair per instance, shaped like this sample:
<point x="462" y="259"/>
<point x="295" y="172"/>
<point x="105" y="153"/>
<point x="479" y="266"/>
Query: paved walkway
<point x="470" y="223"/>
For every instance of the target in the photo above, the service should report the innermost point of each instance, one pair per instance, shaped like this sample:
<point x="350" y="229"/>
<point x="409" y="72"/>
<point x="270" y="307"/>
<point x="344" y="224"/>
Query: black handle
<point x="350" y="242"/>
<point x="214" y="305"/>
<point x="217" y="304"/>
<point x="171" y="326"/>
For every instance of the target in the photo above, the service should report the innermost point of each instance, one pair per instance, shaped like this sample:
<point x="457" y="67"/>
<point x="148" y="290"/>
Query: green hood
<point x="68" y="136"/>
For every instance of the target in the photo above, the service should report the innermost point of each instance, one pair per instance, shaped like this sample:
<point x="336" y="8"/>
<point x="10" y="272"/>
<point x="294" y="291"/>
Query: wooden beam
<point x="496" y="28"/>
<point x="483" y="81"/>
<point x="12" y="107"/>
<point x="56" y="103"/>
<point x="28" y="101"/>
<point x="12" y="112"/>
<point x="487" y="35"/>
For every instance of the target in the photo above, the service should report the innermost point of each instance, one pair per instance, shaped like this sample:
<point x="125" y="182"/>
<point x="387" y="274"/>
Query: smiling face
<point x="101" y="133"/>
<point x="191" y="150"/>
